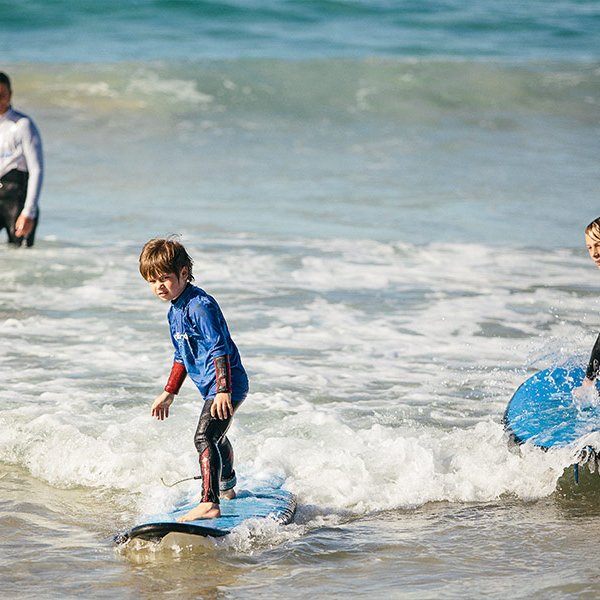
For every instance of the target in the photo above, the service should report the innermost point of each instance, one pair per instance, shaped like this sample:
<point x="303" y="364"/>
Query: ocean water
<point x="388" y="200"/>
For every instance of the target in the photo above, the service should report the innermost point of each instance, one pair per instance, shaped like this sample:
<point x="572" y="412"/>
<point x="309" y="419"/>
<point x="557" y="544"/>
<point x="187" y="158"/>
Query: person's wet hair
<point x="593" y="229"/>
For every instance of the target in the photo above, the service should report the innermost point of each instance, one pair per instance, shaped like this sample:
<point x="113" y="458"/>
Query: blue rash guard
<point x="200" y="334"/>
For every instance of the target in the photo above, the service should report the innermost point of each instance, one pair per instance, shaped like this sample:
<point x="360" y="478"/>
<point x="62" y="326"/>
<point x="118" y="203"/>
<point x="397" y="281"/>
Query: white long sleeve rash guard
<point x="21" y="149"/>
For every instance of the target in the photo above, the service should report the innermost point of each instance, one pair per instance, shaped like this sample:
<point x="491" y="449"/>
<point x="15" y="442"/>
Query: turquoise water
<point x="388" y="201"/>
<point x="88" y="31"/>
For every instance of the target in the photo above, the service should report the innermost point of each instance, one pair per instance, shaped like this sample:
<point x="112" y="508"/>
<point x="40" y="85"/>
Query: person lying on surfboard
<point x="592" y="242"/>
<point x="205" y="351"/>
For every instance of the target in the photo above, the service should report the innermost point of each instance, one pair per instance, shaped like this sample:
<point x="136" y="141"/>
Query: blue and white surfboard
<point x="544" y="412"/>
<point x="264" y="503"/>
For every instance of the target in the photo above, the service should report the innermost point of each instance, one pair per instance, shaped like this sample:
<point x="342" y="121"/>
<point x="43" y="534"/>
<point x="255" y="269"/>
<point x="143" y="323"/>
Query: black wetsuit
<point x="205" y="351"/>
<point x="594" y="364"/>
<point x="13" y="192"/>
<point x="215" y="452"/>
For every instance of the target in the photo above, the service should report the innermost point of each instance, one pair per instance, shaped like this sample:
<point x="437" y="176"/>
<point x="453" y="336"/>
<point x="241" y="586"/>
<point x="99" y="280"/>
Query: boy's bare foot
<point x="228" y="494"/>
<point x="204" y="510"/>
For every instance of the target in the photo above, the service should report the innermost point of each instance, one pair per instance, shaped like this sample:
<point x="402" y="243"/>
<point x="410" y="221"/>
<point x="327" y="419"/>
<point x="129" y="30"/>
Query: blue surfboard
<point x="543" y="411"/>
<point x="263" y="503"/>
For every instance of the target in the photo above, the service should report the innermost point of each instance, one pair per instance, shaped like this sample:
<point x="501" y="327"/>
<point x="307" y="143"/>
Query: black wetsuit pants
<point x="215" y="453"/>
<point x="13" y="191"/>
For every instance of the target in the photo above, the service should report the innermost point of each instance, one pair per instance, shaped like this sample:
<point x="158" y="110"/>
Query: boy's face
<point x="593" y="246"/>
<point x="169" y="286"/>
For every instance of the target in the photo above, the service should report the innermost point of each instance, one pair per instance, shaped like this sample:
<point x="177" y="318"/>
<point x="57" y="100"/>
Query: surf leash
<point x="180" y="481"/>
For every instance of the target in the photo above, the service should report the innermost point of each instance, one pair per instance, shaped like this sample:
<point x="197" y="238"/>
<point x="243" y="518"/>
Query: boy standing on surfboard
<point x="592" y="242"/>
<point x="205" y="351"/>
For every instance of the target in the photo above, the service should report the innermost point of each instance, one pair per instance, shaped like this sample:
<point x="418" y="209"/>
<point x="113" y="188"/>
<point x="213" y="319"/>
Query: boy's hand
<point x="160" y="407"/>
<point x="221" y="407"/>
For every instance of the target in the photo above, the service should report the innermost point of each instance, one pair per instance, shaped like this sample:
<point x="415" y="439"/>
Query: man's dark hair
<point x="4" y="80"/>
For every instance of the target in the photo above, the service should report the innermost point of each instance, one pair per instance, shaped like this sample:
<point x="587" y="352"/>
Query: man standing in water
<point x="21" y="170"/>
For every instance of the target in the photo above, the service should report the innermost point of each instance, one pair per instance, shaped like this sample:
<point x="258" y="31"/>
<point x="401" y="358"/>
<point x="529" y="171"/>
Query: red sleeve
<point x="223" y="374"/>
<point x="176" y="378"/>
